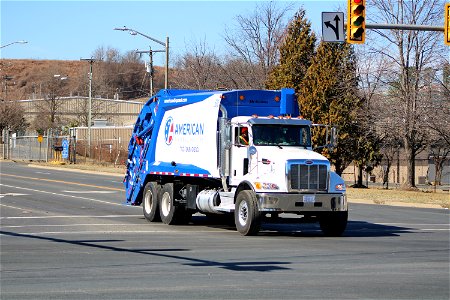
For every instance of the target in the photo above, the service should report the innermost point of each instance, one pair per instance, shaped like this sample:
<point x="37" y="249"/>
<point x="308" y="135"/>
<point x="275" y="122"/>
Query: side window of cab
<point x="241" y="136"/>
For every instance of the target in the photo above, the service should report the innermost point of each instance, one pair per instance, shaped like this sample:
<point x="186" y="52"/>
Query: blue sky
<point x="70" y="30"/>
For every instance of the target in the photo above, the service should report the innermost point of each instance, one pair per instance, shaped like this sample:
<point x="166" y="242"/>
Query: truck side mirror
<point x="330" y="136"/>
<point x="333" y="137"/>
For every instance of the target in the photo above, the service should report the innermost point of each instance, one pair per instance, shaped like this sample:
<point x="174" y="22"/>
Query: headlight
<point x="266" y="186"/>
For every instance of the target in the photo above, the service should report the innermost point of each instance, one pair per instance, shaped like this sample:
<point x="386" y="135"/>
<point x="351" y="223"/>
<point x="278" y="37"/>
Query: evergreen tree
<point x="296" y="52"/>
<point x="328" y="95"/>
<point x="327" y="88"/>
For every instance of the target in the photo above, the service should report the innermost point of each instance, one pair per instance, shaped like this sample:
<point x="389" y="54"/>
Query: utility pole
<point x="166" y="78"/>
<point x="150" y="70"/>
<point x="91" y="62"/>
<point x="6" y="78"/>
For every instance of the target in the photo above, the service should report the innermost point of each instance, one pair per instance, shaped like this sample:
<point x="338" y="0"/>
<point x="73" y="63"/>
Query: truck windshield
<point x="281" y="135"/>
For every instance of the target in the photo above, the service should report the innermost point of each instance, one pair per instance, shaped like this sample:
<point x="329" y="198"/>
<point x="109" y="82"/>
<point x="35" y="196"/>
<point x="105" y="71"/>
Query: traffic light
<point x="356" y="23"/>
<point x="447" y="24"/>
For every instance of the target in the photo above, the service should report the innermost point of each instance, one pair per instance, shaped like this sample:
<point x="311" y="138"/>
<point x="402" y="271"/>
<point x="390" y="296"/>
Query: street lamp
<point x="16" y="42"/>
<point x="91" y="62"/>
<point x="166" y="45"/>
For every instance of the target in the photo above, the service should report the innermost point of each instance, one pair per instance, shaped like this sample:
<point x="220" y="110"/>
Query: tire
<point x="169" y="212"/>
<point x="334" y="224"/>
<point x="246" y="214"/>
<point x="150" y="202"/>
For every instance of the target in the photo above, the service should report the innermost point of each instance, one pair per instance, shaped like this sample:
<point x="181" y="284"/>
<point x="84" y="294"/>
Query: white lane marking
<point x="123" y="232"/>
<point x="70" y="225"/>
<point x="413" y="224"/>
<point x="90" y="192"/>
<point x="12" y="194"/>
<point x="9" y="206"/>
<point x="46" y="173"/>
<point x="63" y="195"/>
<point x="90" y="216"/>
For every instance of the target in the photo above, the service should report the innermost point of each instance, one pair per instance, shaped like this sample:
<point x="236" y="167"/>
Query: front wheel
<point x="334" y="223"/>
<point x="246" y="214"/>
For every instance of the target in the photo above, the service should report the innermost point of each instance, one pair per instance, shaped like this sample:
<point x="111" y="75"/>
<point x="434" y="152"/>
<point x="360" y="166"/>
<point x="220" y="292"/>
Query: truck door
<point x="239" y="161"/>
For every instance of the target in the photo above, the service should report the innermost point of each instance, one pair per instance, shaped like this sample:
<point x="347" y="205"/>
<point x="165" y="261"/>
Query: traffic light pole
<point x="356" y="23"/>
<point x="404" y="27"/>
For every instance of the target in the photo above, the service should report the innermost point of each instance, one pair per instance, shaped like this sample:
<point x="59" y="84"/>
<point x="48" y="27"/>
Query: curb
<point x="77" y="170"/>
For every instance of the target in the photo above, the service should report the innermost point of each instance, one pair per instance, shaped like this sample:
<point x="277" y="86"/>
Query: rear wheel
<point x="150" y="202"/>
<point x="170" y="213"/>
<point x="334" y="223"/>
<point x="246" y="214"/>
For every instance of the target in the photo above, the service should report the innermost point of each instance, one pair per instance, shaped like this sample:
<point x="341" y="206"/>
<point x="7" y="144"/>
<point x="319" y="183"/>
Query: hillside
<point x="21" y="78"/>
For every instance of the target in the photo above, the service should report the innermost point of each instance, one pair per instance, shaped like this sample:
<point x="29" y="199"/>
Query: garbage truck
<point x="243" y="153"/>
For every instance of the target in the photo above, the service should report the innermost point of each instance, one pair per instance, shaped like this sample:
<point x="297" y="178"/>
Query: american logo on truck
<point x="169" y="131"/>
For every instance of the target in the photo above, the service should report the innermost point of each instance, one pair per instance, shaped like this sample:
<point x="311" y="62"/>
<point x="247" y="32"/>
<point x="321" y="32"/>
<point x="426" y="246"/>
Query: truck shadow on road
<point x="293" y="227"/>
<point x="354" y="229"/>
<point x="256" y="266"/>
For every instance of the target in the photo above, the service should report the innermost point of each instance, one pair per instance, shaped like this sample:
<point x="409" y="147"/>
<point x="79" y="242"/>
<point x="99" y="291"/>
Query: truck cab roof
<point x="282" y="120"/>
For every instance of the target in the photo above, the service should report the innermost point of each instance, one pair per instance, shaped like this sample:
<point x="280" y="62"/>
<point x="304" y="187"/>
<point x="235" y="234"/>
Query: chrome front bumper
<point x="274" y="202"/>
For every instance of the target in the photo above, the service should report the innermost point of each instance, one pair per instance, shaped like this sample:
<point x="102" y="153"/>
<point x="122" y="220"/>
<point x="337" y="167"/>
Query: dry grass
<point x="30" y="75"/>
<point x="421" y="198"/>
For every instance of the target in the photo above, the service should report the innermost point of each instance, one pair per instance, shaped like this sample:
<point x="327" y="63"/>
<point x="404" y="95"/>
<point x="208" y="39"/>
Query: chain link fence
<point x="29" y="148"/>
<point x="26" y="147"/>
<point x="107" y="146"/>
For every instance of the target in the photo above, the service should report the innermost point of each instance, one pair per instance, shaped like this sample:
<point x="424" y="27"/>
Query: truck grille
<point x="308" y="177"/>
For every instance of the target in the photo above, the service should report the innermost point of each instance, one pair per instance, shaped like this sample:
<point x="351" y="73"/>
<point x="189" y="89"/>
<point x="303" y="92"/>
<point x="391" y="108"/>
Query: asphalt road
<point x="66" y="235"/>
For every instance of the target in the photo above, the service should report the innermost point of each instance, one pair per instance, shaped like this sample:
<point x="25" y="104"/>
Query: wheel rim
<point x="148" y="202"/>
<point x="243" y="213"/>
<point x="165" y="204"/>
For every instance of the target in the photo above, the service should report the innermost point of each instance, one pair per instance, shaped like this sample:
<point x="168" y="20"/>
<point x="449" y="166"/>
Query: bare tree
<point x="115" y="73"/>
<point x="408" y="53"/>
<point x="439" y="152"/>
<point x="439" y="99"/>
<point x="11" y="116"/>
<point x="390" y="147"/>
<point x="439" y="94"/>
<point x="201" y="68"/>
<point x="198" y="68"/>
<point x="82" y="111"/>
<point x="255" y="40"/>
<point x="50" y="107"/>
